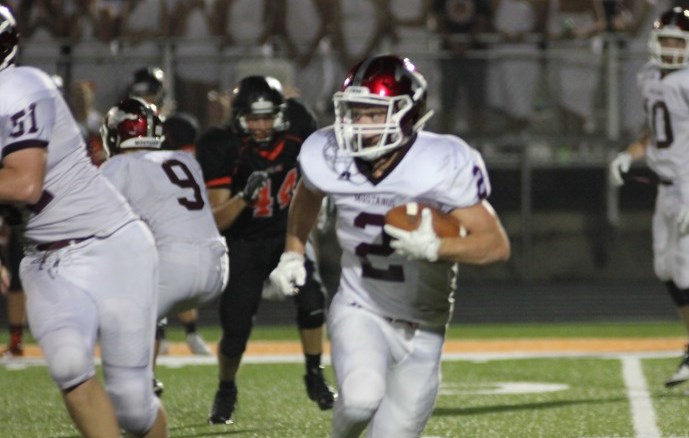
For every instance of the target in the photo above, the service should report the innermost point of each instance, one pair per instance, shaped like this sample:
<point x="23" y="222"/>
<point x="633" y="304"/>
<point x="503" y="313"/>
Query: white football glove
<point x="683" y="220"/>
<point x="289" y="273"/>
<point x="619" y="165"/>
<point x="271" y="292"/>
<point x="421" y="243"/>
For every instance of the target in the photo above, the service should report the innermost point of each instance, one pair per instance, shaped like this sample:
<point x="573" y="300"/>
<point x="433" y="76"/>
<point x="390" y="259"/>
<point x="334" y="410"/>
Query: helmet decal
<point x="131" y="124"/>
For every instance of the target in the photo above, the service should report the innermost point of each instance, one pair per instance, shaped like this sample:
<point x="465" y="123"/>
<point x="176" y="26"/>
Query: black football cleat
<point x="681" y="375"/>
<point x="318" y="389"/>
<point x="223" y="406"/>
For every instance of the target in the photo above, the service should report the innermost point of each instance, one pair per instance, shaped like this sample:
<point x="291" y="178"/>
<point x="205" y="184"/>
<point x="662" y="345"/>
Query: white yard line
<point x="643" y="414"/>
<point x="178" y="361"/>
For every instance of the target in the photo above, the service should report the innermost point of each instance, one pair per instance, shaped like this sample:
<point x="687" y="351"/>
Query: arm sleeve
<point x="467" y="183"/>
<point x="27" y="121"/>
<point x="216" y="154"/>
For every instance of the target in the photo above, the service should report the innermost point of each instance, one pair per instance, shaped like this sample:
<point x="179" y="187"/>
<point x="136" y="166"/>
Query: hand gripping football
<point x="408" y="217"/>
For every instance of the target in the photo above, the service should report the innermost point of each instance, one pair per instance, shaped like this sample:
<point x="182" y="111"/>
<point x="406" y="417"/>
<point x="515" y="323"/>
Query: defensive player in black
<point x="251" y="171"/>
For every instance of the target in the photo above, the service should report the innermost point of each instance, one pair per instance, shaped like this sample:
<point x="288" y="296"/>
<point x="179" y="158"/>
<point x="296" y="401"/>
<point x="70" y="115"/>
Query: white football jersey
<point x="166" y="189"/>
<point x="77" y="201"/>
<point x="666" y="103"/>
<point x="440" y="170"/>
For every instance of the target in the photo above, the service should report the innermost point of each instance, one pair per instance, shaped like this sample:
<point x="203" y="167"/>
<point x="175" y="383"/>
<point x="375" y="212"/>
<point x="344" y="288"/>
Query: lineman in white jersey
<point x="91" y="264"/>
<point x="166" y="189"/>
<point x="664" y="83"/>
<point x="388" y="319"/>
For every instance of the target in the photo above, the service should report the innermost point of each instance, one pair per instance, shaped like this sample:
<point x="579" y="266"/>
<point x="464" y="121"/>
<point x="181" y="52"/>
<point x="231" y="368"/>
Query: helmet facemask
<point x="261" y="98"/>
<point x="369" y="141"/>
<point x="391" y="84"/>
<point x="669" y="42"/>
<point x="263" y="109"/>
<point x="669" y="57"/>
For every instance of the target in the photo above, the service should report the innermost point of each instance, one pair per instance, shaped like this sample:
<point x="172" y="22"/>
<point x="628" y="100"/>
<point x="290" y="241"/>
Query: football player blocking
<point x="665" y="147"/>
<point x="151" y="85"/>
<point x="387" y="320"/>
<point x="165" y="188"/>
<point x="81" y="237"/>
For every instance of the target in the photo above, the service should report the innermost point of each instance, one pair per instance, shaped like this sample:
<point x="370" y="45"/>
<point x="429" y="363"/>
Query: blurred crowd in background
<point x="502" y="73"/>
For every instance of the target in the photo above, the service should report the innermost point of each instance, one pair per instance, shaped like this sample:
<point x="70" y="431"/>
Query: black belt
<point x="59" y="244"/>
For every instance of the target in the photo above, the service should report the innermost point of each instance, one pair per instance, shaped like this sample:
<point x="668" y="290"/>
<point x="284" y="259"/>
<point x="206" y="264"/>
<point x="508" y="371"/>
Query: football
<point x="408" y="217"/>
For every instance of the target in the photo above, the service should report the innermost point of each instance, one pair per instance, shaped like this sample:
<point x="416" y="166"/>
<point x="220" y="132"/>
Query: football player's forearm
<point x="303" y="213"/>
<point x="637" y="149"/>
<point x="480" y="248"/>
<point x="227" y="213"/>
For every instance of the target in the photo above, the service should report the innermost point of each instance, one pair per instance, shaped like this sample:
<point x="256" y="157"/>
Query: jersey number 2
<point x="363" y="250"/>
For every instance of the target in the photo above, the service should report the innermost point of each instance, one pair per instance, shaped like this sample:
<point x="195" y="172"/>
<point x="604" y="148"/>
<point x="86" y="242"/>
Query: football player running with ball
<point x="664" y="83"/>
<point x="90" y="271"/>
<point x="251" y="172"/>
<point x="388" y="319"/>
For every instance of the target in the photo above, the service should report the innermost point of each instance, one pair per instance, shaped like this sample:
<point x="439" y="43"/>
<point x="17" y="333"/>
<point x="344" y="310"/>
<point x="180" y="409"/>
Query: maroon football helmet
<point x="9" y="37"/>
<point x="673" y="23"/>
<point x="392" y="85"/>
<point x="131" y="124"/>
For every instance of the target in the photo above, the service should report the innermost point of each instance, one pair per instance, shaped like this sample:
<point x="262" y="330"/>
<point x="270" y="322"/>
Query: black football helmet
<point x="148" y="83"/>
<point x="673" y="23"/>
<point x="131" y="124"/>
<point x="9" y="38"/>
<point x="258" y="96"/>
<point x="391" y="83"/>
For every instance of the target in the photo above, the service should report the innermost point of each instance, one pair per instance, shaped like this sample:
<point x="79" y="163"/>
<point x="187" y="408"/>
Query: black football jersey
<point x="228" y="158"/>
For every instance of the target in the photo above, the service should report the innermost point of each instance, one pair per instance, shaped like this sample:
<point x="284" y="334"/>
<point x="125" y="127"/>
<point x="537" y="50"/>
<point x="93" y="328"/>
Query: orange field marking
<point x="542" y="345"/>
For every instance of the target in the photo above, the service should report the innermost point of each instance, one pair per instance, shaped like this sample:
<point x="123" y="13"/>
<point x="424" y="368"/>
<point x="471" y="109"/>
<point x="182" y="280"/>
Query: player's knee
<point x="310" y="319"/>
<point x="232" y="346"/>
<point x="135" y="404"/>
<point x="68" y="362"/>
<point x="362" y="392"/>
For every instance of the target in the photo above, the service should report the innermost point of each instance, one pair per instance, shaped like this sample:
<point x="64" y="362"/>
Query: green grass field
<point x="568" y="396"/>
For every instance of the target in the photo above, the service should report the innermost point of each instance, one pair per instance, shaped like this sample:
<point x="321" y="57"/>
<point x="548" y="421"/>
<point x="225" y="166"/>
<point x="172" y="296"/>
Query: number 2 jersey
<point x="440" y="170"/>
<point x="228" y="159"/>
<point x="77" y="201"/>
<point x="666" y="104"/>
<point x="166" y="189"/>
